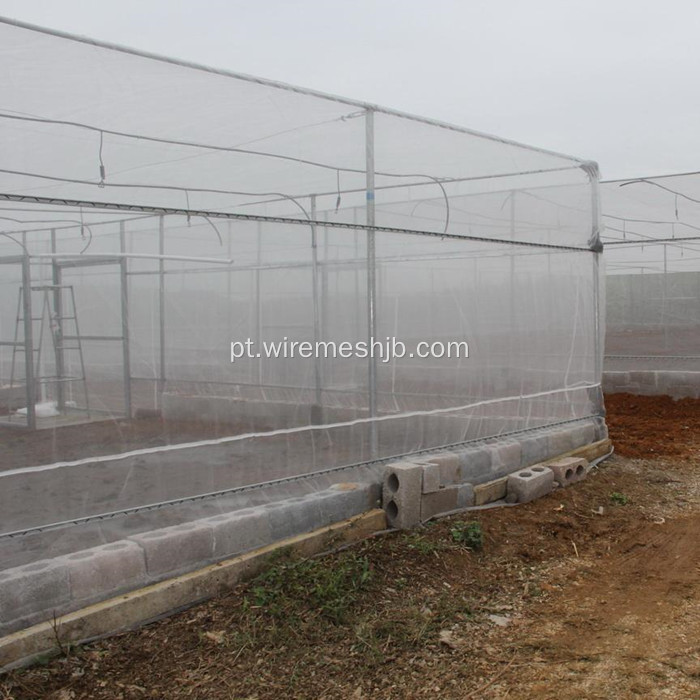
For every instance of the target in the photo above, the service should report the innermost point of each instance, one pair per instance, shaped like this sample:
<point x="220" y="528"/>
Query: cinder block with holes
<point x="240" y="531"/>
<point x="293" y="516"/>
<point x="29" y="593"/>
<point x="106" y="569"/>
<point x="401" y="494"/>
<point x="568" y="470"/>
<point x="171" y="550"/>
<point x="526" y="485"/>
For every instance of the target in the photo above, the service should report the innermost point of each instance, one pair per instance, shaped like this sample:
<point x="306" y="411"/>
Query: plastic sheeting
<point x="154" y="211"/>
<point x="652" y="256"/>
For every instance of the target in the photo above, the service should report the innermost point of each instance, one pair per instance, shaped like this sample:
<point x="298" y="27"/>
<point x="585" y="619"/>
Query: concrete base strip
<point x="147" y="604"/>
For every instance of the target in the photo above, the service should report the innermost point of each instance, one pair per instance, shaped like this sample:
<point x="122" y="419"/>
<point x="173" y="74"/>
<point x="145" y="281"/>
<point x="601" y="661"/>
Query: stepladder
<point x="57" y="353"/>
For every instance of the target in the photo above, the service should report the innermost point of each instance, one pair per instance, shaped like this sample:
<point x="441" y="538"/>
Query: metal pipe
<point x="28" y="342"/>
<point x="371" y="276"/>
<point x="57" y="326"/>
<point x="258" y="302"/>
<point x="161" y="305"/>
<point x="316" y="416"/>
<point x="126" y="357"/>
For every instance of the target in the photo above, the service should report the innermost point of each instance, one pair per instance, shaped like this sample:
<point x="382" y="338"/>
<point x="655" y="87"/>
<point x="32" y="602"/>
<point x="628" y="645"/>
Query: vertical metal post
<point x="161" y="305"/>
<point x="124" y="285"/>
<point x="325" y="324"/>
<point x="356" y="267"/>
<point x="511" y="301"/>
<point x="316" y="416"/>
<point x="57" y="325"/>
<point x="371" y="275"/>
<point x="28" y="342"/>
<point x="663" y="304"/>
<point x="258" y="305"/>
<point x="592" y="171"/>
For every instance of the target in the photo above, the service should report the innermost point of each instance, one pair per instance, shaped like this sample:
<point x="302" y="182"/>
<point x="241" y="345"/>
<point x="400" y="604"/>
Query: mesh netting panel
<point x="154" y="213"/>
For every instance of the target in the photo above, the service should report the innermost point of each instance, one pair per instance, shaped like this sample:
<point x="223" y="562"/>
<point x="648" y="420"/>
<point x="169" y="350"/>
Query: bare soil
<point x="21" y="448"/>
<point x="590" y="592"/>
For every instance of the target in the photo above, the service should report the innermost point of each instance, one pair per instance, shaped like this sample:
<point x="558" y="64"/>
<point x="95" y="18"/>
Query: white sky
<point x="615" y="81"/>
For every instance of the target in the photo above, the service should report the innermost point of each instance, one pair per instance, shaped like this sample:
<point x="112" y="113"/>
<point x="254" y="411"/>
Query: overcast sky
<point x="617" y="81"/>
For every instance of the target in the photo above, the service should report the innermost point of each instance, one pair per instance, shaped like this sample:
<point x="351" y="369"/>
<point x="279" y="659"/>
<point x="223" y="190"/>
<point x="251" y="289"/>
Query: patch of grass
<point x="468" y="534"/>
<point x="329" y="587"/>
<point x="421" y="544"/>
<point x="619" y="499"/>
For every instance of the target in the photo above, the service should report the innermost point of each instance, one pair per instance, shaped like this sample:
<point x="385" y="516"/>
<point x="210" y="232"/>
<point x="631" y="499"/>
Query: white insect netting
<point x="652" y="258"/>
<point x="154" y="211"/>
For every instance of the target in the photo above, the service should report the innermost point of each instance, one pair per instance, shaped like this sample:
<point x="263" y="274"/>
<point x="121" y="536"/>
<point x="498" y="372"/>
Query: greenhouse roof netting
<point x="88" y="122"/>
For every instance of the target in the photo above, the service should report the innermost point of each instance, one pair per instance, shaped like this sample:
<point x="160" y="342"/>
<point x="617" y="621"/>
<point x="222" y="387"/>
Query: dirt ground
<point x="590" y="592"/>
<point x="21" y="448"/>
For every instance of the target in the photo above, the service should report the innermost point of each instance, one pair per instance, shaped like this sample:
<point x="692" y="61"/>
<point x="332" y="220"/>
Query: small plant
<point x="619" y="499"/>
<point x="330" y="587"/>
<point x="421" y="544"/>
<point x="469" y="535"/>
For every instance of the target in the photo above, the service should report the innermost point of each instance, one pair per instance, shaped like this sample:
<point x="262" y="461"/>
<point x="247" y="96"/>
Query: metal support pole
<point x="316" y="410"/>
<point x="593" y="175"/>
<point x="57" y="326"/>
<point x="511" y="301"/>
<point x="126" y="357"/>
<point x="371" y="276"/>
<point x="258" y="305"/>
<point x="663" y="305"/>
<point x="161" y="306"/>
<point x="28" y="342"/>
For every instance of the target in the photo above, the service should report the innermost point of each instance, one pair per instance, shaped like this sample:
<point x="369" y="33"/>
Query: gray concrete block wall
<point x="28" y="592"/>
<point x="676" y="384"/>
<point x="239" y="531"/>
<point x="456" y="482"/>
<point x="35" y="592"/>
<point x="106" y="570"/>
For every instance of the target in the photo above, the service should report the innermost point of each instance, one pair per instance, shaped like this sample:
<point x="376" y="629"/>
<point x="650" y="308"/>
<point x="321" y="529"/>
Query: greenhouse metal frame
<point x="653" y="285"/>
<point x="155" y="211"/>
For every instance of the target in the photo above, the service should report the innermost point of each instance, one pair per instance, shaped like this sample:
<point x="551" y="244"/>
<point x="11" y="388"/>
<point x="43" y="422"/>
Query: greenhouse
<point x="653" y="285"/>
<point x="164" y="225"/>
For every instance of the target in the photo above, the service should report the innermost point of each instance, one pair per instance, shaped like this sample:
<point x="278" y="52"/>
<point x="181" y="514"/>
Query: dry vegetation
<point x="591" y="592"/>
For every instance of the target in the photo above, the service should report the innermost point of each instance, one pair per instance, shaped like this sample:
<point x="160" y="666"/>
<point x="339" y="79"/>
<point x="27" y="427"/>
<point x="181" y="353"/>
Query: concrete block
<point x="240" y="531"/>
<point x="401" y="494"/>
<point x="102" y="571"/>
<point x="601" y="430"/>
<point x="344" y="500"/>
<point x="505" y="457"/>
<point x="582" y="434"/>
<point x="450" y="466"/>
<point x="533" y="450"/>
<point x="526" y="485"/>
<point x="442" y="501"/>
<point x="490" y="491"/>
<point x="558" y="442"/>
<point x="465" y="496"/>
<point x="568" y="470"/>
<point x="431" y="477"/>
<point x="39" y="587"/>
<point x="643" y="378"/>
<point x="475" y="463"/>
<point x="294" y="516"/>
<point x="175" y="549"/>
